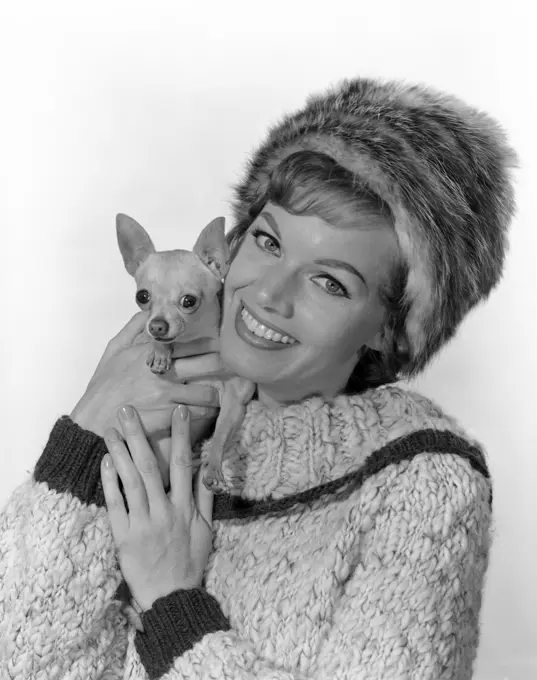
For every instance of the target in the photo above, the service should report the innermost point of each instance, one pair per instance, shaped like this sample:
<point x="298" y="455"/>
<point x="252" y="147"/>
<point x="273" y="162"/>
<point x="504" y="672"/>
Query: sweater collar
<point x="285" y="450"/>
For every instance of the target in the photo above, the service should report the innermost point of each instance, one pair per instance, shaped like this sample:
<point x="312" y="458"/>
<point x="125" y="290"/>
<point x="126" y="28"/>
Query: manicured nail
<point x="108" y="462"/>
<point x="127" y="412"/>
<point x="182" y="412"/>
<point x="111" y="435"/>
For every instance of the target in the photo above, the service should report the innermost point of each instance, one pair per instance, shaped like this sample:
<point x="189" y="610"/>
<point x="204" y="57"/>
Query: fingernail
<point x="182" y="412"/>
<point x="111" y="435"/>
<point x="108" y="462"/>
<point x="126" y="412"/>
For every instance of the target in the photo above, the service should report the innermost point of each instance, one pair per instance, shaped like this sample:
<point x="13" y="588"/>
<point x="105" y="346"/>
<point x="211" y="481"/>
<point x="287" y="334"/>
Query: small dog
<point x="180" y="291"/>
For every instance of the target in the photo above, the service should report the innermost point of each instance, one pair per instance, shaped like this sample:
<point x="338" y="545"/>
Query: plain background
<point x="152" y="110"/>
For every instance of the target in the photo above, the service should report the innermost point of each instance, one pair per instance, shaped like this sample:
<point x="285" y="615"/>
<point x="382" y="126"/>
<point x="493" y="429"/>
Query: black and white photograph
<point x="270" y="340"/>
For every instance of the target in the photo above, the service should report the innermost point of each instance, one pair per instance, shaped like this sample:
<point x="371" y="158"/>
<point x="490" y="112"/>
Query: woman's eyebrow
<point x="341" y="264"/>
<point x="272" y="222"/>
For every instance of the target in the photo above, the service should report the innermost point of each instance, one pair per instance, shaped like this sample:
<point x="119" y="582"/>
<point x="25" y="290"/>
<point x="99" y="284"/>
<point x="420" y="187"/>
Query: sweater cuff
<point x="71" y="462"/>
<point x="173" y="625"/>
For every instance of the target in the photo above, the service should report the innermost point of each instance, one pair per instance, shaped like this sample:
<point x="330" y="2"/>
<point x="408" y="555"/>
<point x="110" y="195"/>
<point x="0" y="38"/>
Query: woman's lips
<point x="253" y="339"/>
<point x="265" y="323"/>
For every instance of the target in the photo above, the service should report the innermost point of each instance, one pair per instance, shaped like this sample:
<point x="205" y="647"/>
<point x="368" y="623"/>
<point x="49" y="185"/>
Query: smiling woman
<point x="322" y="266"/>
<point x="279" y="280"/>
<point x="353" y="538"/>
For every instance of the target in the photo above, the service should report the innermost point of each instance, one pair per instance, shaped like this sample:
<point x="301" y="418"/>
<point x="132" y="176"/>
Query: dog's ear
<point x="134" y="242"/>
<point x="212" y="247"/>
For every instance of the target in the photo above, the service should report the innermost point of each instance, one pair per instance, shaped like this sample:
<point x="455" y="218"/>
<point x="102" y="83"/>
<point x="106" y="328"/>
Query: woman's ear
<point x="375" y="343"/>
<point x="403" y="348"/>
<point x="378" y="343"/>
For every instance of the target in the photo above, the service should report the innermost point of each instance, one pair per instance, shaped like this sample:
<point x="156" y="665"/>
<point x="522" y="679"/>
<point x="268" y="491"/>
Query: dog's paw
<point x="159" y="364"/>
<point x="213" y="480"/>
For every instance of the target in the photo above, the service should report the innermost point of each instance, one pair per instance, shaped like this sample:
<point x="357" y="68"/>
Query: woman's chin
<point x="243" y="365"/>
<point x="248" y="357"/>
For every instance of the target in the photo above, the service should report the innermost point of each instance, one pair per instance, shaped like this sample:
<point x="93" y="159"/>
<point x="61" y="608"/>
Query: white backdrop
<point x="151" y="110"/>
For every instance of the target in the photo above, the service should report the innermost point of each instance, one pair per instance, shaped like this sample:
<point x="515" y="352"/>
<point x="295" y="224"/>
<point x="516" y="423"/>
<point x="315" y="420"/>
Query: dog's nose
<point x="159" y="327"/>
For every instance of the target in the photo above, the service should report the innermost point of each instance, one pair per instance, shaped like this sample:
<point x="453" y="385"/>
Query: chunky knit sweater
<point x="353" y="544"/>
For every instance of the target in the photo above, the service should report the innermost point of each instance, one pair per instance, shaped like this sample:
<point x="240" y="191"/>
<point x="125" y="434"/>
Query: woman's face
<point x="301" y="299"/>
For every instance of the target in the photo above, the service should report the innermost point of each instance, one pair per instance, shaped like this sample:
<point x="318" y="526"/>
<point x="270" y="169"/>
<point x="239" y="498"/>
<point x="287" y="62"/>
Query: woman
<point x="354" y="540"/>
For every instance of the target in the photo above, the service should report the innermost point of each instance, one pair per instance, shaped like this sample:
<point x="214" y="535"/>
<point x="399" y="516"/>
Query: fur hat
<point x="441" y="166"/>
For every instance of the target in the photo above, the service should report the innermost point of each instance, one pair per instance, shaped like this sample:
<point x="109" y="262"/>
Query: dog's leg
<point x="234" y="396"/>
<point x="160" y="358"/>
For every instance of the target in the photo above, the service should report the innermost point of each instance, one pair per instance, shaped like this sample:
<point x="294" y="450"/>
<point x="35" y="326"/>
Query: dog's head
<point x="178" y="288"/>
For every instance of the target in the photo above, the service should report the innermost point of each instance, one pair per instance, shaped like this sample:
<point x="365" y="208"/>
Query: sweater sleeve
<point x="409" y="609"/>
<point x="58" y="570"/>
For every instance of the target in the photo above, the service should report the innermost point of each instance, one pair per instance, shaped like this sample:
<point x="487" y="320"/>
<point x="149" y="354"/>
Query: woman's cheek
<point x="244" y="271"/>
<point x="347" y="331"/>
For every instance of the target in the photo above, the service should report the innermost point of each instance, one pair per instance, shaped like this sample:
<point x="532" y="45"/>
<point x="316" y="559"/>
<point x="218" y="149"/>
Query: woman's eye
<point x="333" y="287"/>
<point x="265" y="241"/>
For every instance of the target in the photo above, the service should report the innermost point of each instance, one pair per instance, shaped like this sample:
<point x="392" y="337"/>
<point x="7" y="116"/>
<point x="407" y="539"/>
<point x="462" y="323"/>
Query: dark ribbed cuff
<point x="173" y="625"/>
<point x="71" y="462"/>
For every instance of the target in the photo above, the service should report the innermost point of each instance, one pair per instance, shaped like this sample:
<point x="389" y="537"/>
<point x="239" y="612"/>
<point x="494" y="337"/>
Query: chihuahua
<point x="180" y="291"/>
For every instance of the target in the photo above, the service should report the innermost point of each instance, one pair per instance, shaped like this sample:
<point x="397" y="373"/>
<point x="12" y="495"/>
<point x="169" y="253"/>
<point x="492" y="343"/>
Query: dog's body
<point x="180" y="291"/>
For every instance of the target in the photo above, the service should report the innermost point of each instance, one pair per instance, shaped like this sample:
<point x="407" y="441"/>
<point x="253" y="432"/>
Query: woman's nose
<point x="275" y="292"/>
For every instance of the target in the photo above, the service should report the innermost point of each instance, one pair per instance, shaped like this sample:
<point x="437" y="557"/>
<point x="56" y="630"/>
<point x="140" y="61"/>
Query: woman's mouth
<point x="259" y="335"/>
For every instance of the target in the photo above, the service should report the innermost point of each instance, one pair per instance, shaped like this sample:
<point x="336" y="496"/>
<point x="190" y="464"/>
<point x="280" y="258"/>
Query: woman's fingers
<point x="125" y="468"/>
<point x="129" y="335"/>
<point x="195" y="347"/>
<point x="199" y="367"/>
<point x="181" y="459"/>
<point x="157" y="421"/>
<point x="115" y="504"/>
<point x="196" y="394"/>
<point x="181" y="470"/>
<point x="143" y="458"/>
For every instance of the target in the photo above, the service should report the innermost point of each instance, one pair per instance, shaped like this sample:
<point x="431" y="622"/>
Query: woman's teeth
<point x="262" y="331"/>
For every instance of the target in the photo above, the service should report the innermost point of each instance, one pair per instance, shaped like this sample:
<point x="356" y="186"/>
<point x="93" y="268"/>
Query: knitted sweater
<point x="353" y="545"/>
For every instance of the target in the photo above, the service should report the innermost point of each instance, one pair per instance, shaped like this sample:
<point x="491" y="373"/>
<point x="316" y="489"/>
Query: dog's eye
<point x="188" y="301"/>
<point x="143" y="297"/>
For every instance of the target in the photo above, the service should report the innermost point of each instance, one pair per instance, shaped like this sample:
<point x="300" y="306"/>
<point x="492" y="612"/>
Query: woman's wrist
<point x="71" y="461"/>
<point x="87" y="417"/>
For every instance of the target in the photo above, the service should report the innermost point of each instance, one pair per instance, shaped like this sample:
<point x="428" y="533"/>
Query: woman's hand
<point x="122" y="376"/>
<point x="164" y="540"/>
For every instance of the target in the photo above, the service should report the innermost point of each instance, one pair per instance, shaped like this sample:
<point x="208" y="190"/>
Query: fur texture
<point x="444" y="170"/>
